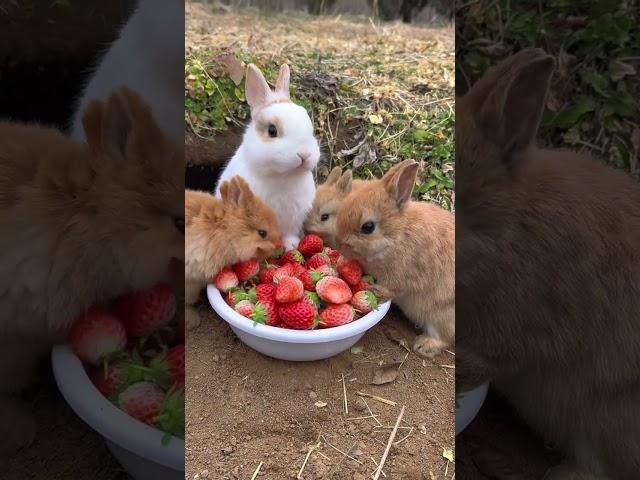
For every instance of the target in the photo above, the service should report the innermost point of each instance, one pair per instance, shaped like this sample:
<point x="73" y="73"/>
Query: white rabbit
<point x="147" y="57"/>
<point x="278" y="153"/>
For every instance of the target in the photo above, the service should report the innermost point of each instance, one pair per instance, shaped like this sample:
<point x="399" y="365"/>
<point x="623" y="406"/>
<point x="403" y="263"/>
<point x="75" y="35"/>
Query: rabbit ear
<point x="399" y="181"/>
<point x="256" y="88"/>
<point x="511" y="113"/>
<point x="232" y="193"/>
<point x="224" y="191"/>
<point x="282" y="84"/>
<point x="246" y="198"/>
<point x="344" y="184"/>
<point x="333" y="177"/>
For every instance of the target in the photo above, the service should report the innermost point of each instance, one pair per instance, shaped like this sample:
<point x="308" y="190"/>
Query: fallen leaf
<point x="356" y="350"/>
<point x="385" y="374"/>
<point x="233" y="67"/>
<point x="320" y="404"/>
<point x="423" y="429"/>
<point x="448" y="454"/>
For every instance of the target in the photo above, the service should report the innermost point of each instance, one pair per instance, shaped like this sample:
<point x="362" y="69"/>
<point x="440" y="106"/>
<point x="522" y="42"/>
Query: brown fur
<point x="548" y="275"/>
<point x="410" y="252"/>
<point x="329" y="197"/>
<point x="81" y="224"/>
<point x="221" y="232"/>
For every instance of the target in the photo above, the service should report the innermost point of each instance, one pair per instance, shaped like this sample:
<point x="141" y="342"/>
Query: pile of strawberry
<point x="133" y="351"/>
<point x="312" y="286"/>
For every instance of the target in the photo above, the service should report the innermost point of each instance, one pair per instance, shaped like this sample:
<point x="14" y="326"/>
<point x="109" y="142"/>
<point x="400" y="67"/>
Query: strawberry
<point x="180" y="329"/>
<point x="365" y="282"/>
<point x="266" y="275"/>
<point x="336" y="315"/>
<point x="289" y="290"/>
<point x="310" y="244"/>
<point x="266" y="311"/>
<point x="293" y="256"/>
<point x="350" y="271"/>
<point x="332" y="254"/>
<point x="325" y="271"/>
<point x="364" y="301"/>
<point x="318" y="260"/>
<point x="333" y="290"/>
<point x="171" y="416"/>
<point x="297" y="269"/>
<point x="312" y="298"/>
<point x="233" y="296"/>
<point x="143" y="401"/>
<point x="244" y="308"/>
<point x="283" y="272"/>
<point x="117" y="376"/>
<point x="307" y="280"/>
<point x="246" y="270"/>
<point x="298" y="315"/>
<point x="168" y="368"/>
<point x="145" y="311"/>
<point x="95" y="334"/>
<point x="265" y="291"/>
<point x="226" y="279"/>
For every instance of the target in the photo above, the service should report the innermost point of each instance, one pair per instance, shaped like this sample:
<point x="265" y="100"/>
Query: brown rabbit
<point x="409" y="247"/>
<point x="548" y="275"/>
<point x="321" y="220"/>
<point x="81" y="224"/>
<point x="223" y="231"/>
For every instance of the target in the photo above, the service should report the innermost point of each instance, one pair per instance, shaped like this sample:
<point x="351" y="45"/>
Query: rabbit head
<point x="279" y="139"/>
<point x="371" y="218"/>
<point x="141" y="172"/>
<point x="321" y="220"/>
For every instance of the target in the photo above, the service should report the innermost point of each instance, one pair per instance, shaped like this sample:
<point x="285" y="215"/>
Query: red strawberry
<point x="364" y="301"/>
<point x="350" y="271"/>
<point x="265" y="291"/>
<point x="168" y="368"/>
<point x="115" y="377"/>
<point x="181" y="329"/>
<point x="226" y="279"/>
<point x="246" y="270"/>
<point x="307" y="280"/>
<point x="297" y="269"/>
<point x="289" y="290"/>
<point x="293" y="256"/>
<point x="332" y="254"/>
<point x="283" y="272"/>
<point x="145" y="311"/>
<point x="365" y="282"/>
<point x="244" y="308"/>
<point x="336" y="315"/>
<point x="326" y="271"/>
<point x="266" y="311"/>
<point x="318" y="260"/>
<point x="143" y="401"/>
<point x="299" y="315"/>
<point x="310" y="244"/>
<point x="333" y="290"/>
<point x="266" y="275"/>
<point x="312" y="298"/>
<point x="96" y="334"/>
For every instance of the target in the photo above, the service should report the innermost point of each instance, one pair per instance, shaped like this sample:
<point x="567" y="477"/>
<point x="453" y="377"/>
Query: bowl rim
<point x="293" y="336"/>
<point x="107" y="419"/>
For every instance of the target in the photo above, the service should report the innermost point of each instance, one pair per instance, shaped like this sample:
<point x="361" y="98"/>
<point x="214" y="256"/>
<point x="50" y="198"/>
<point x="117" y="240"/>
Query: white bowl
<point x="295" y="345"/>
<point x="469" y="404"/>
<point x="138" y="447"/>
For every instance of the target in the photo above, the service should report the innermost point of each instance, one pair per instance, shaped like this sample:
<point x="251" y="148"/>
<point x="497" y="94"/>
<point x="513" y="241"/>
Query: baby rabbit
<point x="548" y="275"/>
<point x="221" y="232"/>
<point x="409" y="247"/>
<point x="321" y="220"/>
<point x="81" y="224"/>
<point x="278" y="153"/>
<point x="148" y="57"/>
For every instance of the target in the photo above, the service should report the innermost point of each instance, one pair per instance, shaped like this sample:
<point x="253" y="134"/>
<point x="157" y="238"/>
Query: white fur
<point x="147" y="57"/>
<point x="272" y="168"/>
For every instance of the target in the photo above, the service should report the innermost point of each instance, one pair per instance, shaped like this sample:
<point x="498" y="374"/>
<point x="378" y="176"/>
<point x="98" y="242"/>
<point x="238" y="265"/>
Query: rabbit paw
<point x="191" y="318"/>
<point x="291" y="242"/>
<point x="428" y="347"/>
<point x="17" y="426"/>
<point x="570" y="472"/>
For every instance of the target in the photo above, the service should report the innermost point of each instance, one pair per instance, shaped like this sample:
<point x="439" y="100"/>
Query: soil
<point x="244" y="408"/>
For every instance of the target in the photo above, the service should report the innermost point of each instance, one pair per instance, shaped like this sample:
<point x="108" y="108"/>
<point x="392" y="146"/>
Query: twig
<point x="377" y="465"/>
<point x="255" y="474"/>
<point x="346" y="402"/>
<point x="379" y="399"/>
<point x="361" y="418"/>
<point x="403" y="438"/>
<point x="306" y="459"/>
<point x="340" y="451"/>
<point x="386" y="450"/>
<point x="450" y="352"/>
<point x="448" y="366"/>
<point x="375" y="417"/>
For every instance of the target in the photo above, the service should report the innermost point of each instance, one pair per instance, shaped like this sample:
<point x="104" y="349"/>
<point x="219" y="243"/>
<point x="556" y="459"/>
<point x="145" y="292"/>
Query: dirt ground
<point x="244" y="408"/>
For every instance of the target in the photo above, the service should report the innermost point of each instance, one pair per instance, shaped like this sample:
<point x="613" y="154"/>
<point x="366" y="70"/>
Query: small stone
<point x="204" y="474"/>
<point x="358" y="476"/>
<point x="359" y="405"/>
<point x="216" y="357"/>
<point x="313" y="394"/>
<point x="308" y="386"/>
<point x="228" y="450"/>
<point x="196" y="476"/>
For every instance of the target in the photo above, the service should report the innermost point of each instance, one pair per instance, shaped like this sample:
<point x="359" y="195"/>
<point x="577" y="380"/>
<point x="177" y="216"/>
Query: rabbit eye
<point x="368" y="227"/>
<point x="324" y="217"/>
<point x="272" y="130"/>
<point x="262" y="233"/>
<point x="179" y="224"/>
